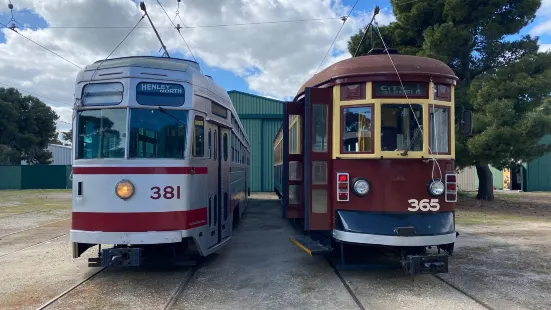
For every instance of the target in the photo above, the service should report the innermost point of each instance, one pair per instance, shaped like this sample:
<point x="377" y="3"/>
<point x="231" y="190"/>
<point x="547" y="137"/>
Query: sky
<point x="269" y="59"/>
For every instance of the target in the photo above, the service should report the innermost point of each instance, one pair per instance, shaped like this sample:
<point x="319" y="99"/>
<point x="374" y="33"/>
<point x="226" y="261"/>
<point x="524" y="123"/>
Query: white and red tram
<point x="160" y="161"/>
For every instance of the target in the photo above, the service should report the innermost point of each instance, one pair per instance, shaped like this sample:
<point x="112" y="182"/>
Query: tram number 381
<point x="167" y="192"/>
<point x="424" y="205"/>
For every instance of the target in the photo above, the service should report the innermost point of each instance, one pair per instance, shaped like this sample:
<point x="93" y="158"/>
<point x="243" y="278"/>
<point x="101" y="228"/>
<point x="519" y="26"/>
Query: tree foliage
<point x="27" y="125"/>
<point x="506" y="83"/>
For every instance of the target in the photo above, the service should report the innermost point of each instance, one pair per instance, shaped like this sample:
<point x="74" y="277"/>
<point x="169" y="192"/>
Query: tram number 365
<point x="424" y="205"/>
<point x="168" y="192"/>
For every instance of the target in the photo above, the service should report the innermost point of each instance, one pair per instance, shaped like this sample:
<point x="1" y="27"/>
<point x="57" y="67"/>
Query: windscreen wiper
<point x="411" y="142"/>
<point x="165" y="111"/>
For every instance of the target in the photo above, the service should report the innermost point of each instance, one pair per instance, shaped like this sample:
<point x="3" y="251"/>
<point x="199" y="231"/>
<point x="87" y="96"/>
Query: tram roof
<point x="379" y="64"/>
<point x="153" y="62"/>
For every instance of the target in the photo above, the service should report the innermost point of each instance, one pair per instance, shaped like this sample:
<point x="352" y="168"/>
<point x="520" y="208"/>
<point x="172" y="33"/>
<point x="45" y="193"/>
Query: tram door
<point x="317" y="158"/>
<point x="225" y="182"/>
<point x="214" y="184"/>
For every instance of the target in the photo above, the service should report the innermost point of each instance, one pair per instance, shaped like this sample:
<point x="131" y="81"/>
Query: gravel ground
<point x="503" y="255"/>
<point x="30" y="208"/>
<point x="31" y="277"/>
<point x="503" y="258"/>
<point x="125" y="289"/>
<point x="262" y="269"/>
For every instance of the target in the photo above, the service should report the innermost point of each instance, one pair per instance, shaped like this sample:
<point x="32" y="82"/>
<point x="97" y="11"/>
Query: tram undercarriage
<point x="184" y="253"/>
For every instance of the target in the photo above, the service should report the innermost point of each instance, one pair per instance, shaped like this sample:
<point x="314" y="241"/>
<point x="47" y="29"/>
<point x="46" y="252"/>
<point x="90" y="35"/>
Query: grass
<point x="23" y="201"/>
<point x="480" y="218"/>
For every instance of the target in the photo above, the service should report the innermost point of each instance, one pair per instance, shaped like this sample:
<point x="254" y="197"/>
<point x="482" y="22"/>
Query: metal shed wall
<point x="538" y="171"/>
<point x="10" y="177"/>
<point x="466" y="179"/>
<point x="261" y="118"/>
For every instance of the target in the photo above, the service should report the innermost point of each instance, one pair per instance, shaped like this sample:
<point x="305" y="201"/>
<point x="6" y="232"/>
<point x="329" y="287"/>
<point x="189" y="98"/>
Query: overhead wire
<point x="336" y="36"/>
<point x="35" y="95"/>
<point x="405" y="94"/>
<point x="177" y="29"/>
<point x="201" y="26"/>
<point x="49" y="50"/>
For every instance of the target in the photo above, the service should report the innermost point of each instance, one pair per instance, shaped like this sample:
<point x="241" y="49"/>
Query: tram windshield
<point x="102" y="133"/>
<point x="155" y="134"/>
<point x="399" y="127"/>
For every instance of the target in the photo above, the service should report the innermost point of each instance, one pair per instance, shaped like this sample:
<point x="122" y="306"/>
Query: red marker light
<point x="450" y="178"/>
<point x="343" y="196"/>
<point x="343" y="178"/>
<point x="451" y="187"/>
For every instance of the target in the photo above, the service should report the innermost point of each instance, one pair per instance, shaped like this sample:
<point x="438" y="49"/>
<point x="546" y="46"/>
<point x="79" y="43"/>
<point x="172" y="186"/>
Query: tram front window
<point x="357" y="129"/>
<point x="399" y="129"/>
<point x="101" y="133"/>
<point x="154" y="134"/>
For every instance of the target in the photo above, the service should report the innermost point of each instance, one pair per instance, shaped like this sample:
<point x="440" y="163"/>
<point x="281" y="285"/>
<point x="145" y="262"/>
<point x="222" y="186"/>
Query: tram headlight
<point x="361" y="187"/>
<point x="436" y="187"/>
<point x="124" y="189"/>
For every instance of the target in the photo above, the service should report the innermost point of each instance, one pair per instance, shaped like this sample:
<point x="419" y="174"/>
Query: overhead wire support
<point x="142" y="7"/>
<point x="375" y="12"/>
<point x="178" y="29"/>
<point x="344" y="19"/>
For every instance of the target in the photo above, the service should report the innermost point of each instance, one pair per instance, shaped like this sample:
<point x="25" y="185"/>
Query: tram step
<point x="310" y="246"/>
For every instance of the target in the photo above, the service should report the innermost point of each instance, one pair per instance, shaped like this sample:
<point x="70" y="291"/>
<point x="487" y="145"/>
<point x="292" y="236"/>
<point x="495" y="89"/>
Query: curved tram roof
<point x="378" y="64"/>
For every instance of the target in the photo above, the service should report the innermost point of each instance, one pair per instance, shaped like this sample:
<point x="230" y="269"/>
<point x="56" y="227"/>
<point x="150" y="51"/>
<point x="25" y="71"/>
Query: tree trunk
<point x="485" y="182"/>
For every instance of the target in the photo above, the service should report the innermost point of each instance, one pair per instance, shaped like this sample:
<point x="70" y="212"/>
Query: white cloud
<point x="545" y="48"/>
<point x="274" y="59"/>
<point x="544" y="12"/>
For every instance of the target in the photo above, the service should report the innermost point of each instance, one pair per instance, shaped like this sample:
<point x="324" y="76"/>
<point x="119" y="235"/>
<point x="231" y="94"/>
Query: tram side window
<point x="225" y="142"/>
<point x="233" y="147"/>
<point x="215" y="145"/>
<point x="399" y="127"/>
<point x="319" y="128"/>
<point x="357" y="129"/>
<point x="101" y="133"/>
<point x="210" y="143"/>
<point x="439" y="129"/>
<point x="198" y="137"/>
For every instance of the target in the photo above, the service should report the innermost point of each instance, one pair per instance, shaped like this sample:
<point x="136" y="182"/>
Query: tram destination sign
<point x="155" y="94"/>
<point x="160" y="88"/>
<point x="385" y="89"/>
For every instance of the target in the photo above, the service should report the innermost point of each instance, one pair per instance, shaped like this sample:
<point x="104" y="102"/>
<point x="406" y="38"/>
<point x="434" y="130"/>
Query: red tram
<point x="365" y="156"/>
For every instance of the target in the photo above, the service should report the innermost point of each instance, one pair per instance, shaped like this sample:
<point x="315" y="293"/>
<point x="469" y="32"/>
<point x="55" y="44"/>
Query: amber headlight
<point x="124" y="189"/>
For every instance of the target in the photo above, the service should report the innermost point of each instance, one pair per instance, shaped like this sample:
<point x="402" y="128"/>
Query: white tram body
<point x="160" y="160"/>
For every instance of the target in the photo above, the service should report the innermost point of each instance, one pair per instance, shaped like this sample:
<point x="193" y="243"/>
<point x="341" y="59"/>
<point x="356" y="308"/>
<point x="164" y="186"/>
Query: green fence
<point x="35" y="177"/>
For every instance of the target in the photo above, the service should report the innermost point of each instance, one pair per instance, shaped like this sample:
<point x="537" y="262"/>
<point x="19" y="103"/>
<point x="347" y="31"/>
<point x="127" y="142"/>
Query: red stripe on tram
<point x="139" y="222"/>
<point x="140" y="170"/>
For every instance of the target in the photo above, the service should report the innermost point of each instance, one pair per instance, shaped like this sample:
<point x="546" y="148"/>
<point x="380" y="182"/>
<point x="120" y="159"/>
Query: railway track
<point x="67" y="291"/>
<point x="170" y="303"/>
<point x="33" y="245"/>
<point x="458" y="289"/>
<point x="34" y="227"/>
<point x="362" y="307"/>
<point x="176" y="294"/>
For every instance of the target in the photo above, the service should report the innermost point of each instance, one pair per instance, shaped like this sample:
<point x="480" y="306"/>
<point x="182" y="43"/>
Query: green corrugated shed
<point x="43" y="176"/>
<point x="10" y="177"/>
<point x="538" y="171"/>
<point x="261" y="118"/>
